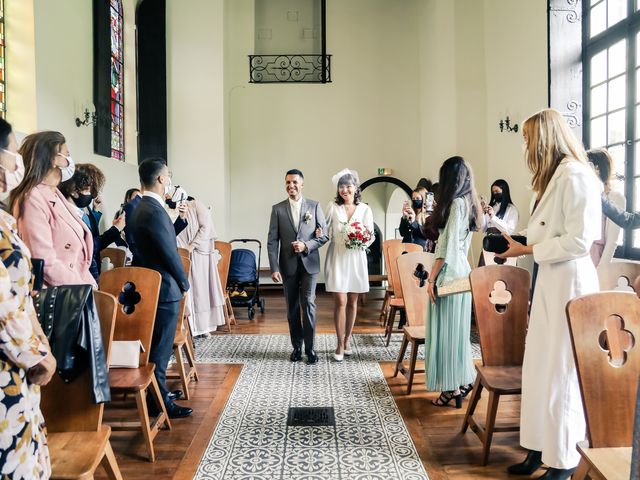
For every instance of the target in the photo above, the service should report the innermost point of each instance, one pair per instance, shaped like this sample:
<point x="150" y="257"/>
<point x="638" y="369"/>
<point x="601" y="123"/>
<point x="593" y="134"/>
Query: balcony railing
<point x="289" y="69"/>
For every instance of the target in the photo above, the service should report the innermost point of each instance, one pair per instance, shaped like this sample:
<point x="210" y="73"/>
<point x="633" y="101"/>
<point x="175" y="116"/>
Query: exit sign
<point x="384" y="171"/>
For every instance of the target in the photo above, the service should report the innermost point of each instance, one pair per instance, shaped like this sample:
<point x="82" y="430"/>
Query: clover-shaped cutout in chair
<point x="624" y="284"/>
<point x="129" y="298"/>
<point x="500" y="297"/>
<point x="421" y="275"/>
<point x="616" y="340"/>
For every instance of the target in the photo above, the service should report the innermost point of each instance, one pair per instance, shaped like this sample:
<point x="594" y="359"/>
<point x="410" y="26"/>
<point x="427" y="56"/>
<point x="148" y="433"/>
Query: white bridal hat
<point x="345" y="171"/>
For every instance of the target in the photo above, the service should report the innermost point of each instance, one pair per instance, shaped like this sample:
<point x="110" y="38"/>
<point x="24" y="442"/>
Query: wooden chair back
<point x="137" y="291"/>
<point x="414" y="270"/>
<point x="117" y="256"/>
<point x="224" y="249"/>
<point x="395" y="250"/>
<point x="605" y="334"/>
<point x="385" y="254"/>
<point x="183" y="252"/>
<point x="69" y="407"/>
<point x="501" y="303"/>
<point x="619" y="276"/>
<point x="186" y="265"/>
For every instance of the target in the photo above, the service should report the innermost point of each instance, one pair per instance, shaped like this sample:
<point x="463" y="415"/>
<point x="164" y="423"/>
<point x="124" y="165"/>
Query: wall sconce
<point x="506" y="124"/>
<point x="89" y="120"/>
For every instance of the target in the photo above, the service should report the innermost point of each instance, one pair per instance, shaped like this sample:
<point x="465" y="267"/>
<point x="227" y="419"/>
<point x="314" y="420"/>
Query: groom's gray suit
<point x="298" y="270"/>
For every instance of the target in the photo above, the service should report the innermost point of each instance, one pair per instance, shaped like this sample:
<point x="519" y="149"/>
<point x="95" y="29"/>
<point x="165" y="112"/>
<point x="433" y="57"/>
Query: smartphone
<point x="429" y="204"/>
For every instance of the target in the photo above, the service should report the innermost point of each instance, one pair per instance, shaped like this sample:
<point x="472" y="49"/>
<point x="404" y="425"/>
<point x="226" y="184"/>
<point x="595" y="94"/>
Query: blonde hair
<point x="548" y="141"/>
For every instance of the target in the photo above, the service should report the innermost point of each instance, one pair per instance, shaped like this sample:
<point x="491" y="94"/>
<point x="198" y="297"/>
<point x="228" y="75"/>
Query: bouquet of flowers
<point x="356" y="236"/>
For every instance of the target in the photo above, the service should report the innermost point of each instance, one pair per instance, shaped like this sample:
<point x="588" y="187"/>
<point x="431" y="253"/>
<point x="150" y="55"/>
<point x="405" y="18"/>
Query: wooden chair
<point x="605" y="330"/>
<point x="137" y="290"/>
<point x="413" y="270"/>
<point x="117" y="256"/>
<point x="78" y="441"/>
<point x="500" y="300"/>
<point x="224" y="248"/>
<point x="388" y="294"/>
<point x="183" y="342"/>
<point x="618" y="276"/>
<point x="396" y="304"/>
<point x="184" y="252"/>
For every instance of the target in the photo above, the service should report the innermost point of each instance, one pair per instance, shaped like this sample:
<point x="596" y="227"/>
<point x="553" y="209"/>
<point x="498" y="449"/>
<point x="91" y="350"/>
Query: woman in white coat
<point x="565" y="221"/>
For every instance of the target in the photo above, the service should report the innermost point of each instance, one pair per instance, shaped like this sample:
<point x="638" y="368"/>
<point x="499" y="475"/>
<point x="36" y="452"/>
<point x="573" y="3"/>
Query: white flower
<point x="307" y="216"/>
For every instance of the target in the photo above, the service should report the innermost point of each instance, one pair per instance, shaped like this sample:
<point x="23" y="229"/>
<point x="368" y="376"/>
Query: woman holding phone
<point x="565" y="221"/>
<point x="414" y="215"/>
<point x="500" y="214"/>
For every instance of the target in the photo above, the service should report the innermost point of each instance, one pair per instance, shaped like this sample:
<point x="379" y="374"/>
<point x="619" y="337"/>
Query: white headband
<point x="336" y="178"/>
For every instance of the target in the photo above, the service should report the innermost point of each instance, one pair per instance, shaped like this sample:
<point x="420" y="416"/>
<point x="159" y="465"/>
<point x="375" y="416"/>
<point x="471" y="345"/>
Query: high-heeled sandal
<point x="446" y="397"/>
<point x="465" y="390"/>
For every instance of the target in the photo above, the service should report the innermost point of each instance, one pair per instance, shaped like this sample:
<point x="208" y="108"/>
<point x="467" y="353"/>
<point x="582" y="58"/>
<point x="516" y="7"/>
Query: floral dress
<point x="23" y="445"/>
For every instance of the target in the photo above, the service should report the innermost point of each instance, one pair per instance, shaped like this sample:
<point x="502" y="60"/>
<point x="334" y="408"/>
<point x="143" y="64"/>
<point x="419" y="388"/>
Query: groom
<point x="292" y="231"/>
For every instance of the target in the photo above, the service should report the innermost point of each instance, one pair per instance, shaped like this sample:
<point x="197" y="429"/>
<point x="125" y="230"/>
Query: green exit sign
<point x="381" y="171"/>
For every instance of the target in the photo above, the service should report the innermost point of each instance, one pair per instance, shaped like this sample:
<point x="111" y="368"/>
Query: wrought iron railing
<point x="289" y="68"/>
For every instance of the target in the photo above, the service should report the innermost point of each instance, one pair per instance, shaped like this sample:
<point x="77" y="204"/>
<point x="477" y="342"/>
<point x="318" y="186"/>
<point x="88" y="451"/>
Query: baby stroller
<point x="243" y="281"/>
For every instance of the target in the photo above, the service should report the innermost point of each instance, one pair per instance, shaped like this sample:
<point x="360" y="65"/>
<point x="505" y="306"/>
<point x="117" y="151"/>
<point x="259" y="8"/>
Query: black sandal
<point x="465" y="390"/>
<point x="445" y="397"/>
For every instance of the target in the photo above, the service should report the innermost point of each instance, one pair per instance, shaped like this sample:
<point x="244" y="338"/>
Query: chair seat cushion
<point x="131" y="379"/>
<point x="505" y="380"/>
<point x="179" y="339"/>
<point x="416" y="332"/>
<point x="76" y="455"/>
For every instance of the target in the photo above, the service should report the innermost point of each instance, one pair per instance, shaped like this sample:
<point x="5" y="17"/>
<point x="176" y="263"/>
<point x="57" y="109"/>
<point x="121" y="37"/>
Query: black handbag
<point x="70" y="321"/>
<point x="37" y="270"/>
<point x="498" y="244"/>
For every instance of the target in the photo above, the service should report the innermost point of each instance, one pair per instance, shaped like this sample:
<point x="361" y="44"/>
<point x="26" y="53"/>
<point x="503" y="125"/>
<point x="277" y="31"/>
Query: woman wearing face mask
<point x="81" y="189"/>
<point x="413" y="216"/>
<point x="501" y="214"/>
<point x="50" y="225"/>
<point x="25" y="357"/>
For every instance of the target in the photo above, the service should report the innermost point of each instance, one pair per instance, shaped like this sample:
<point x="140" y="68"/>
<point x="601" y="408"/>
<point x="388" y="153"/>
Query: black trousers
<point x="164" y="332"/>
<point x="300" y="294"/>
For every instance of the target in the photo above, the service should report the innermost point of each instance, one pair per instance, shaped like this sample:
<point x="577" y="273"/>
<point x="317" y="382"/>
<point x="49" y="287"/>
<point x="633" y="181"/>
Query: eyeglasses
<point x="170" y="174"/>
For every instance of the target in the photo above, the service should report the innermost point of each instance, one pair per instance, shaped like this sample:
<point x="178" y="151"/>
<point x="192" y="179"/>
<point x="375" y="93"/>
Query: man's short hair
<point x="149" y="170"/>
<point x="295" y="171"/>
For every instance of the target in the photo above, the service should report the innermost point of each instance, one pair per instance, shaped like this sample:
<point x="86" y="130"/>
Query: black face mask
<point x="416" y="203"/>
<point x="83" y="201"/>
<point x="497" y="197"/>
<point x="170" y="203"/>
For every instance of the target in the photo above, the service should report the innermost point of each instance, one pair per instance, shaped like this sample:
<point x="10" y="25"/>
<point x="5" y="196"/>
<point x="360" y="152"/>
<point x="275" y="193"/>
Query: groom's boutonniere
<point x="307" y="217"/>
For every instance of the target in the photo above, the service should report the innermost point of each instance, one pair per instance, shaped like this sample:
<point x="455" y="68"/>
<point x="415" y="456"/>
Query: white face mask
<point x="69" y="170"/>
<point x="13" y="179"/>
<point x="167" y="188"/>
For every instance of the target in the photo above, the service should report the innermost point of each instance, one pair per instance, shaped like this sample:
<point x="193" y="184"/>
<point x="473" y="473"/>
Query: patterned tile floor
<point x="252" y="439"/>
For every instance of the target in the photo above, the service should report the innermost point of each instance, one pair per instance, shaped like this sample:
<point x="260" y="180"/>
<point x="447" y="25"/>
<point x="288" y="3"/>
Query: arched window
<point x="117" y="81"/>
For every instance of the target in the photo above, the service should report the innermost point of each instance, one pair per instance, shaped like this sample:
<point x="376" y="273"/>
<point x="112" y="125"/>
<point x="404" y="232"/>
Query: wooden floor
<point x="445" y="452"/>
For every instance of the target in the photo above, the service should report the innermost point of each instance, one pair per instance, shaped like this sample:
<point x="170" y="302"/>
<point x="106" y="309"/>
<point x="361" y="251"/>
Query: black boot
<point x="558" y="474"/>
<point x="530" y="464"/>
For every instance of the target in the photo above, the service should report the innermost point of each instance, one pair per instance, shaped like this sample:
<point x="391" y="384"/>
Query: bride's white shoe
<point x="338" y="357"/>
<point x="348" y="352"/>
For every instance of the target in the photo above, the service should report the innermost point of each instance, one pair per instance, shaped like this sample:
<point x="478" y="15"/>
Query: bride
<point x="346" y="273"/>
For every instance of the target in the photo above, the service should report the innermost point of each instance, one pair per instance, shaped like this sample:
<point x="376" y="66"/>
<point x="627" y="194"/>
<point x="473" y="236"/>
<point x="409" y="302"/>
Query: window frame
<point x="627" y="29"/>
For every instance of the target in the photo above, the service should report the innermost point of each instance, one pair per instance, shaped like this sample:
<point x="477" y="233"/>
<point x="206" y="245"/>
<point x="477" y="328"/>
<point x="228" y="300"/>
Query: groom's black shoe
<point x="296" y="355"/>
<point x="312" y="357"/>
<point x="175" y="395"/>
<point x="532" y="463"/>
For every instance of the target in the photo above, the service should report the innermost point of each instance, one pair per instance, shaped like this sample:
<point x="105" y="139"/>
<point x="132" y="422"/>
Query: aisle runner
<point x="252" y="439"/>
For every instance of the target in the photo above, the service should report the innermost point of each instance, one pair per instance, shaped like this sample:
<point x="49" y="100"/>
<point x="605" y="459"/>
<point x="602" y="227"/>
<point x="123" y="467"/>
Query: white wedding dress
<point x="345" y="270"/>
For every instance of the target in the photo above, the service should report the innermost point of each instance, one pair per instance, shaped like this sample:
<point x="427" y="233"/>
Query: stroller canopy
<point x="242" y="267"/>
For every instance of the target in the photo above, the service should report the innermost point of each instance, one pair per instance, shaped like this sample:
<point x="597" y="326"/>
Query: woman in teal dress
<point x="448" y="347"/>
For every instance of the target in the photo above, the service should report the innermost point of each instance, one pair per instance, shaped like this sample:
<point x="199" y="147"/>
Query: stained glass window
<point x="117" y="81"/>
<point x="3" y="103"/>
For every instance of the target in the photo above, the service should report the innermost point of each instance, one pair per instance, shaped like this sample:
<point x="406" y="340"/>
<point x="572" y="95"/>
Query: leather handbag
<point x="496" y="243"/>
<point x="37" y="270"/>
<point x="69" y="319"/>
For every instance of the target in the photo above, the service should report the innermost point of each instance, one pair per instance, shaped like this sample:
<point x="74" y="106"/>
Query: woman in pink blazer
<point x="51" y="226"/>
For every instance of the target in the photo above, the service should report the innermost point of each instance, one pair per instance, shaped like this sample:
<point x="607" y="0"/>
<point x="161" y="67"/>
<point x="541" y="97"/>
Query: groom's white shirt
<point x="295" y="212"/>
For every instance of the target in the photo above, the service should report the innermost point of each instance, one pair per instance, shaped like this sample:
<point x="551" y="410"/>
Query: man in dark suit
<point x="294" y="260"/>
<point x="128" y="208"/>
<point x="155" y="238"/>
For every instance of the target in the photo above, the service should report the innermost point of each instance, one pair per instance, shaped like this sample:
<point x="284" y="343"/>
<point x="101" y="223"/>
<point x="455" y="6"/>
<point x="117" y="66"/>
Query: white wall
<point x="61" y="54"/>
<point x="196" y="103"/>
